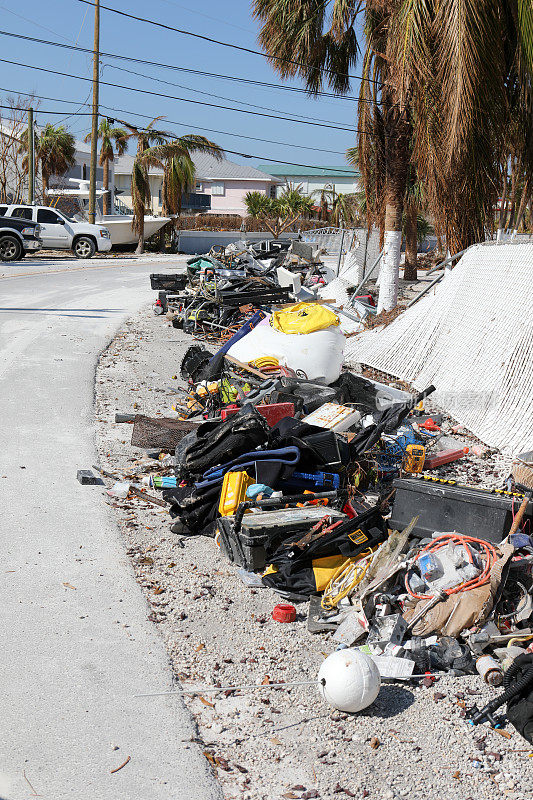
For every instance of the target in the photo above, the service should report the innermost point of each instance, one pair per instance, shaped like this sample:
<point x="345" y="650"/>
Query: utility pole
<point x="94" y="133"/>
<point x="31" y="157"/>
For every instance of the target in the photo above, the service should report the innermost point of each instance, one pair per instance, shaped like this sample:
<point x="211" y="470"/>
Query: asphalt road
<point x="76" y="645"/>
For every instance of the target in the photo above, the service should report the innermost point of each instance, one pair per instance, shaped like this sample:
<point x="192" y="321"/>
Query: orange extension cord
<point x="456" y="538"/>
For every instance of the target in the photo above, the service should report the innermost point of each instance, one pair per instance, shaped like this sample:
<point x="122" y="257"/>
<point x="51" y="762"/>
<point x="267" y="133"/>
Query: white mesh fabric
<point x="336" y="290"/>
<point x="472" y="337"/>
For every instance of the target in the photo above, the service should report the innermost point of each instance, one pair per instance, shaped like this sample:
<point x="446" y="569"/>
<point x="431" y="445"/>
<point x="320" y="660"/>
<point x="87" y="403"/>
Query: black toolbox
<point x="444" y="505"/>
<point x="247" y="546"/>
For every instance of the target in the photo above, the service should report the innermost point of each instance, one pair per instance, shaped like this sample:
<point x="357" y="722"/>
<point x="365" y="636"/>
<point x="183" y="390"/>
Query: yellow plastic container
<point x="233" y="492"/>
<point x="415" y="455"/>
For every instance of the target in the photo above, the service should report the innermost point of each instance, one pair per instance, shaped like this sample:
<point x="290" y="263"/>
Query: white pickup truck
<point x="60" y="232"/>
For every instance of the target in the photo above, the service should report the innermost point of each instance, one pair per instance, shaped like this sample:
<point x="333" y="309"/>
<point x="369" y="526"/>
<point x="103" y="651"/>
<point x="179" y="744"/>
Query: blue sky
<point x="71" y="22"/>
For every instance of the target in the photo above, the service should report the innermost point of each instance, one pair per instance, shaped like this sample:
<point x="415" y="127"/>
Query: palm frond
<point x="180" y="174"/>
<point x="307" y="39"/>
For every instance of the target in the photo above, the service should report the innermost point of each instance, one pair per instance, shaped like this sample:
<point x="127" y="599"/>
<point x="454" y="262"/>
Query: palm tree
<point x="174" y="156"/>
<point x="444" y="84"/>
<point x="320" y="46"/>
<point x="55" y="148"/>
<point x="157" y="148"/>
<point x="279" y="214"/>
<point x="179" y="171"/>
<point x="257" y="203"/>
<point x="327" y="196"/>
<point x="114" y="140"/>
<point x="179" y="178"/>
<point x="345" y="210"/>
<point x="466" y="70"/>
<point x="141" y="195"/>
<point x="293" y="203"/>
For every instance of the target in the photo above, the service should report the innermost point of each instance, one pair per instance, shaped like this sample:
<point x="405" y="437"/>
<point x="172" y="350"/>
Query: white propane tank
<point x="349" y="680"/>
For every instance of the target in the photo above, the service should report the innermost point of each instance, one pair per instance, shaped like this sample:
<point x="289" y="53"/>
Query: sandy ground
<point x="278" y="743"/>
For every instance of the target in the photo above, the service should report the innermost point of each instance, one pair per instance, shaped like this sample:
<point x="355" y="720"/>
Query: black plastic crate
<point x="443" y="505"/>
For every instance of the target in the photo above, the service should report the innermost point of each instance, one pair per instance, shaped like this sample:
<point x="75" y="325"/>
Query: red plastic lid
<point x="284" y="612"/>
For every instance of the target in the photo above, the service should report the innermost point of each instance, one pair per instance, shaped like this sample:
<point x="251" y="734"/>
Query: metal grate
<point x="333" y="240"/>
<point x="162" y="432"/>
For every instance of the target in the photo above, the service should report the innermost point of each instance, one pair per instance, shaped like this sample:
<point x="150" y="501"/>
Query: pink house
<point x="220" y="188"/>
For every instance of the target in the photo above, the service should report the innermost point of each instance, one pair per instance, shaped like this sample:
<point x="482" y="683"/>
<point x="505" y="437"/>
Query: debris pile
<point x="220" y="290"/>
<point x="335" y="491"/>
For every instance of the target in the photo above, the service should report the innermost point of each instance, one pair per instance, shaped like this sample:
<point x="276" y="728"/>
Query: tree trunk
<point x="382" y="232"/>
<point x="411" y="243"/>
<point x="390" y="263"/>
<point x="45" y="178"/>
<point x="397" y="167"/>
<point x="512" y="203"/>
<point x="140" y="244"/>
<point x="523" y="205"/>
<point x="503" y="207"/>
<point x="105" y="201"/>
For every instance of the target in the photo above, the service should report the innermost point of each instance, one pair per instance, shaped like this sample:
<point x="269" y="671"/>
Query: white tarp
<point x="472" y="337"/>
<point x="315" y="356"/>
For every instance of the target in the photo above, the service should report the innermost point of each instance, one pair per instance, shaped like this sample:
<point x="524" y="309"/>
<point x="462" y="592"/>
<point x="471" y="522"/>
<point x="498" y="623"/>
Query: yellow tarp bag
<point x="325" y="568"/>
<point x="303" y="318"/>
<point x="318" y="573"/>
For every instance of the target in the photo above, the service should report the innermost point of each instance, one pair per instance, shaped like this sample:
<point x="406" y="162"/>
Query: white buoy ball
<point x="349" y="680"/>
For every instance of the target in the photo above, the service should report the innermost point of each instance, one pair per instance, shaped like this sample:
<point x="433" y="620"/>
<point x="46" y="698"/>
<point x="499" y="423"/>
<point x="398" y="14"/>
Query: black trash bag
<point x="295" y="565"/>
<point x="387" y="421"/>
<point x="519" y="677"/>
<point x="312" y="394"/>
<point x="181" y="448"/>
<point x="219" y="442"/>
<point x="195" y="508"/>
<point x="356" y="389"/>
<point x="194" y="362"/>
<point x="449" y="654"/>
<point x="393" y="416"/>
<point x="287" y="397"/>
<point x="320" y="449"/>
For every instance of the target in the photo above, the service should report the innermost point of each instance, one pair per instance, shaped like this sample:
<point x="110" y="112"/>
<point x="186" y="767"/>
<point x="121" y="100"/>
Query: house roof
<point x="289" y="170"/>
<point x="207" y="168"/>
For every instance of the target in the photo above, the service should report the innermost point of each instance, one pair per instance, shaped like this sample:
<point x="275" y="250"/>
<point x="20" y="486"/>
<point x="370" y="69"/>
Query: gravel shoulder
<point x="278" y="743"/>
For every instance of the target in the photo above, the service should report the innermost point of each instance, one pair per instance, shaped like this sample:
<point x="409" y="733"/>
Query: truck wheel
<point x="84" y="247"/>
<point x="10" y="248"/>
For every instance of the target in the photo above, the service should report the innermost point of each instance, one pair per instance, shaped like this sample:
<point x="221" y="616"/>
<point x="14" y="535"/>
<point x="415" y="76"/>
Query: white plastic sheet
<point x="317" y="355"/>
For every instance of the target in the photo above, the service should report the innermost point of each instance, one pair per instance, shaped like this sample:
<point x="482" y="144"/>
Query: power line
<point x="206" y="16"/>
<point x="180" y="99"/>
<point x="174" y="122"/>
<point x="175" y="68"/>
<point x="226" y="44"/>
<point x="228" y="133"/>
<point x="33" y="22"/>
<point x="349" y="173"/>
<point x="210" y="94"/>
<point x="42" y="111"/>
